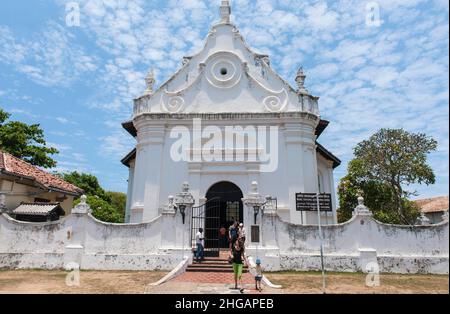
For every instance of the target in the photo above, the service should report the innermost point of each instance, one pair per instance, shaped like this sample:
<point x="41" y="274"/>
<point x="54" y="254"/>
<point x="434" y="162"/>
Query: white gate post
<point x="76" y="234"/>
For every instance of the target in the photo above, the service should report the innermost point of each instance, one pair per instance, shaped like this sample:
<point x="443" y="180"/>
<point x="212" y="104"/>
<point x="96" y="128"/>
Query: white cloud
<point x="63" y="148"/>
<point x="62" y="120"/>
<point x="392" y="76"/>
<point x="116" y="145"/>
<point x="49" y="57"/>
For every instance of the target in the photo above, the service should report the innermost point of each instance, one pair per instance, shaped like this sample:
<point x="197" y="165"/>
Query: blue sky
<point x="79" y="82"/>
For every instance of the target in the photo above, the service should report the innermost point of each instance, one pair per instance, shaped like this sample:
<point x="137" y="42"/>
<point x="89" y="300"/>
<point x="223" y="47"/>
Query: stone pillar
<point x="333" y="195"/>
<point x="149" y="163"/>
<point x="361" y="209"/>
<point x="252" y="200"/>
<point x="367" y="254"/>
<point x="269" y="220"/>
<point x="195" y="179"/>
<point x="74" y="250"/>
<point x="302" y="175"/>
<point x="295" y="169"/>
<point x="184" y="202"/>
<point x="168" y="225"/>
<point x="130" y="192"/>
<point x="266" y="247"/>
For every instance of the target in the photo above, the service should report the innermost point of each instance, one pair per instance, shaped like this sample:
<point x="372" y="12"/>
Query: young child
<point x="259" y="275"/>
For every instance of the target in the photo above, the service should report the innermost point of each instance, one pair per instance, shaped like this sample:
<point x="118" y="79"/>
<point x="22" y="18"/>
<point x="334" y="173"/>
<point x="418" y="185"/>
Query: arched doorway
<point x="231" y="209"/>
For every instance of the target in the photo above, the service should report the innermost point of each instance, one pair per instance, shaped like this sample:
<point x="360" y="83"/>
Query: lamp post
<point x="256" y="209"/>
<point x="255" y="200"/>
<point x="182" y="208"/>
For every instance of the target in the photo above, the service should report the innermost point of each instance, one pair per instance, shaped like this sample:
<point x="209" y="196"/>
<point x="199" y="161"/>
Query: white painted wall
<point x="397" y="249"/>
<point x="163" y="242"/>
<point x="157" y="175"/>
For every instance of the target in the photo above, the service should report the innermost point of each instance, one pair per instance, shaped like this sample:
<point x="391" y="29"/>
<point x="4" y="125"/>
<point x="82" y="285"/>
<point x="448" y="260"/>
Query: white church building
<point x="224" y="120"/>
<point x="241" y="143"/>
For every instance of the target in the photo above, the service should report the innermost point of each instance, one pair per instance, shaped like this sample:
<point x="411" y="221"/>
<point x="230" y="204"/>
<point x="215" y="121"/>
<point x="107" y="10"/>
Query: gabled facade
<point x="227" y="117"/>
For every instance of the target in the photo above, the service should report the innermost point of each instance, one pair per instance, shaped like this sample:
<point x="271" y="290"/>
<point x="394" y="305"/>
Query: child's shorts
<point x="258" y="278"/>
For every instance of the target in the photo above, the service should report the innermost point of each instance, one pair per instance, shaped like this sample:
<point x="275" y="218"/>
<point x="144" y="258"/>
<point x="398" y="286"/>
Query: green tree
<point x="383" y="166"/>
<point x="87" y="182"/>
<point x="118" y="201"/>
<point x="25" y="141"/>
<point x="106" y="206"/>
<point x="104" y="211"/>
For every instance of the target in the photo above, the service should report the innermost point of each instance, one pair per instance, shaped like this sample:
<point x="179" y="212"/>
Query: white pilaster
<point x="295" y="170"/>
<point x="310" y="169"/>
<point x="146" y="186"/>
<point x="130" y="191"/>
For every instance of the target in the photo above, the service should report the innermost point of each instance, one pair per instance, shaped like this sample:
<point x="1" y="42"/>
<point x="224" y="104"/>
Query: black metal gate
<point x="207" y="217"/>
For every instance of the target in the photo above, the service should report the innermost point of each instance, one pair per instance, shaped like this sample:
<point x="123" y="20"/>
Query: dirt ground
<point x="91" y="282"/>
<point x="355" y="283"/>
<point x="125" y="282"/>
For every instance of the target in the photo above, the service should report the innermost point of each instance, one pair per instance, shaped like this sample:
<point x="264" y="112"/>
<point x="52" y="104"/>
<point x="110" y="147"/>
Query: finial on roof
<point x="150" y="82"/>
<point x="300" y="79"/>
<point x="225" y="11"/>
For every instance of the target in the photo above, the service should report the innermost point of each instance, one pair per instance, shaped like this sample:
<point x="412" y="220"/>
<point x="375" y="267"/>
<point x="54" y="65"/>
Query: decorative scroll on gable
<point x="226" y="76"/>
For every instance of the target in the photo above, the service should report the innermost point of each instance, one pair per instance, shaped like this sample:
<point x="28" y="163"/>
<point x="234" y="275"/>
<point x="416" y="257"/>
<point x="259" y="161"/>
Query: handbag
<point x="230" y="258"/>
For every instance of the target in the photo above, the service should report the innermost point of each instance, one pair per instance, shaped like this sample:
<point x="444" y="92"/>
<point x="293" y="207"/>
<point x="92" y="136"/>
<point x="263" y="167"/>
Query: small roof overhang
<point x="128" y="158"/>
<point x="328" y="155"/>
<point x="129" y="126"/>
<point x="38" y="209"/>
<point x="323" y="124"/>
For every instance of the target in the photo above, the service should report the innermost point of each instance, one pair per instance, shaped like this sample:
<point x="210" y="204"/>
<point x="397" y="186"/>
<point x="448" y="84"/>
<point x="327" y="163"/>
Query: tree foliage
<point x="382" y="169"/>
<point x="118" y="201"/>
<point x="106" y="206"/>
<point x="87" y="182"/>
<point x="25" y="141"/>
<point x="103" y="210"/>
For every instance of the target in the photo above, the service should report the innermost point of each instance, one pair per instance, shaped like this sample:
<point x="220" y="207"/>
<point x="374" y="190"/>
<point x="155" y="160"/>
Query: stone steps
<point x="213" y="265"/>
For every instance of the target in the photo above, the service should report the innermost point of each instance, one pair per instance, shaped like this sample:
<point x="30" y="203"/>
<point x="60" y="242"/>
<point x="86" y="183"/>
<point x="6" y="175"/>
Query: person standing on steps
<point x="223" y="237"/>
<point x="233" y="235"/>
<point x="200" y="240"/>
<point x="238" y="259"/>
<point x="242" y="235"/>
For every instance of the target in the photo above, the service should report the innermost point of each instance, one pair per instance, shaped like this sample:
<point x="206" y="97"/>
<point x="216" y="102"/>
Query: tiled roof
<point x="17" y="167"/>
<point x="433" y="205"/>
<point x="41" y="209"/>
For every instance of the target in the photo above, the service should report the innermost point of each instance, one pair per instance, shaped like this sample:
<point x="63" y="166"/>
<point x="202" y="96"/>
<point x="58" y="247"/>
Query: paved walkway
<point x="211" y="277"/>
<point x="181" y="287"/>
<point x="209" y="283"/>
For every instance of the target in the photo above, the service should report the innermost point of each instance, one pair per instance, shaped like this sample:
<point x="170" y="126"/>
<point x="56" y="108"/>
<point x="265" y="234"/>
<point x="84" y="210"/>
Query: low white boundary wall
<point x="161" y="244"/>
<point x="352" y="246"/>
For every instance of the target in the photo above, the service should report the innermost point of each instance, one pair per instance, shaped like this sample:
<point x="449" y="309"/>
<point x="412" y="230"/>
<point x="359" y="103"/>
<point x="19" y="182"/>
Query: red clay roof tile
<point x="433" y="205"/>
<point x="21" y="168"/>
